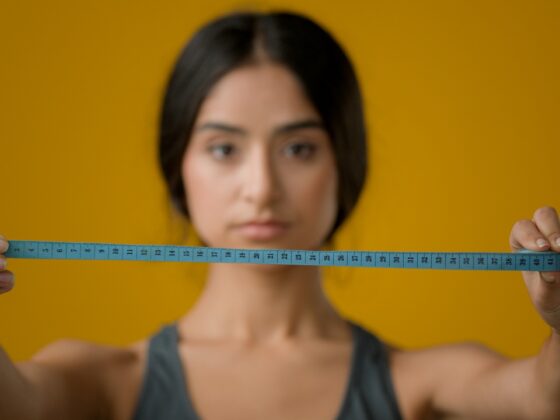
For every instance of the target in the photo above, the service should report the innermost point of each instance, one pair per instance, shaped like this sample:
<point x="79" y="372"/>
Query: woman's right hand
<point x="6" y="277"/>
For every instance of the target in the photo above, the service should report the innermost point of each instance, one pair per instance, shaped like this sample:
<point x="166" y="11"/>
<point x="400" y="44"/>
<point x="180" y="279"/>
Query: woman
<point x="262" y="145"/>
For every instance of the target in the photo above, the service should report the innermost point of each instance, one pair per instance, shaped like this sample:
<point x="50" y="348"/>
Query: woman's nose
<point x="261" y="184"/>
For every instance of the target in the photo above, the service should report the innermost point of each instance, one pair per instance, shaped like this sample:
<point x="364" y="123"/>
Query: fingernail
<point x="558" y="241"/>
<point x="5" y="284"/>
<point x="541" y="243"/>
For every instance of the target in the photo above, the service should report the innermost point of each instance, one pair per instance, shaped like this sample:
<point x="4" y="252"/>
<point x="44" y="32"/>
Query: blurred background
<point x="462" y="101"/>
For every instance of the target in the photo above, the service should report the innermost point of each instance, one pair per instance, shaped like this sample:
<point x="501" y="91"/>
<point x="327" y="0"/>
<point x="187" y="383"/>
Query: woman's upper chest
<point x="254" y="382"/>
<point x="222" y="381"/>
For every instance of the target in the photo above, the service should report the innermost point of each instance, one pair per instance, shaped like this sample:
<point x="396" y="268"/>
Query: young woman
<point x="262" y="144"/>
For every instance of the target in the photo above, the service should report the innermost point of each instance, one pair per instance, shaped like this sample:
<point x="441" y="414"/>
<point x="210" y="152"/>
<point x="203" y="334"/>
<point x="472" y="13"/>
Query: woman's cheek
<point x="320" y="198"/>
<point x="198" y="189"/>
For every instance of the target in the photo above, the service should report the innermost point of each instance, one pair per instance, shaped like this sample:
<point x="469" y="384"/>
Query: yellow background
<point x="462" y="102"/>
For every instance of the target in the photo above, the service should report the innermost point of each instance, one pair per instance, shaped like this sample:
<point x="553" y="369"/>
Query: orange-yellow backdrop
<point x="462" y="109"/>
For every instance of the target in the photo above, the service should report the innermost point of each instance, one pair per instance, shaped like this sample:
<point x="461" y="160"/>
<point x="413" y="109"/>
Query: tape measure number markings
<point x="524" y="260"/>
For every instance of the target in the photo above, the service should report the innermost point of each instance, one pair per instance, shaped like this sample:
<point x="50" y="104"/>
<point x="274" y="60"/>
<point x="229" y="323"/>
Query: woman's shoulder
<point x="92" y="360"/>
<point x="444" y="357"/>
<point x="86" y="355"/>
<point x="430" y="356"/>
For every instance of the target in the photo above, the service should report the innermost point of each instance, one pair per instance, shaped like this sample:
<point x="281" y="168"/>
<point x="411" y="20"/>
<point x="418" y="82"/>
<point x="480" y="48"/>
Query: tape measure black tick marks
<point x="524" y="260"/>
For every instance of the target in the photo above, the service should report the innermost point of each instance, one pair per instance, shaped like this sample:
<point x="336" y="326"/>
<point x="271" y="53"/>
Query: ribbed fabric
<point x="369" y="394"/>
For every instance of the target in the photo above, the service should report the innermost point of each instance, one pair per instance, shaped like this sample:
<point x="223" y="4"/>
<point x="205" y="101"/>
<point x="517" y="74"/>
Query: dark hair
<point x="295" y="41"/>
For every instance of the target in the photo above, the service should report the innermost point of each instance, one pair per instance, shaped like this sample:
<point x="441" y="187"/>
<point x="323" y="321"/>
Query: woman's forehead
<point x="264" y="91"/>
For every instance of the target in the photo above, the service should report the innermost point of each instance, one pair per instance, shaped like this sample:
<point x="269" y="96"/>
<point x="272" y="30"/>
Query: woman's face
<point x="259" y="170"/>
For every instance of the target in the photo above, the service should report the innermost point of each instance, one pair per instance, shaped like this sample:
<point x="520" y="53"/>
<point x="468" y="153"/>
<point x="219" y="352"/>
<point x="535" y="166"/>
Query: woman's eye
<point x="221" y="151"/>
<point x="302" y="150"/>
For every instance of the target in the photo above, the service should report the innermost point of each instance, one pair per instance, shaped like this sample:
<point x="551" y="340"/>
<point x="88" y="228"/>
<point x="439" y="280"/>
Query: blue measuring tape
<point x="524" y="260"/>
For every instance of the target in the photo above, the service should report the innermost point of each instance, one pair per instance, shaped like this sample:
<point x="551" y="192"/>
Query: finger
<point x="6" y="281"/>
<point x="525" y="234"/>
<point x="3" y="244"/>
<point x="550" y="277"/>
<point x="547" y="221"/>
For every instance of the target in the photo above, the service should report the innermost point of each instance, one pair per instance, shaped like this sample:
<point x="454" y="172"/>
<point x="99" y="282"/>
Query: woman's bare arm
<point x="16" y="399"/>
<point x="472" y="381"/>
<point x="479" y="383"/>
<point x="63" y="381"/>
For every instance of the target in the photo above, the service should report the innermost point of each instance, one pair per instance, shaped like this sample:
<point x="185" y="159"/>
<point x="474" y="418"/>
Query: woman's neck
<point x="263" y="304"/>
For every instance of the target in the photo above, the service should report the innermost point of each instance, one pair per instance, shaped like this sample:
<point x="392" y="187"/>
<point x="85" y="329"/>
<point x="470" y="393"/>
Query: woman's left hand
<point x="542" y="233"/>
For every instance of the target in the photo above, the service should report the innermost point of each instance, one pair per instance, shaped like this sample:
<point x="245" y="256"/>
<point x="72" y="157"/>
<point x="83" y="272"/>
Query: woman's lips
<point x="261" y="231"/>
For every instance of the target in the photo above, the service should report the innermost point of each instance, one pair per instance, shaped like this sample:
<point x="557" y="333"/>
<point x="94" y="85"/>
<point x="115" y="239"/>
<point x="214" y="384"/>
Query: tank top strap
<point x="164" y="390"/>
<point x="370" y="394"/>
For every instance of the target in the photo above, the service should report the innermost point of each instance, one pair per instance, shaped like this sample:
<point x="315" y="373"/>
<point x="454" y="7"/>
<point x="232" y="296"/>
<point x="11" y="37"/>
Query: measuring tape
<point x="524" y="260"/>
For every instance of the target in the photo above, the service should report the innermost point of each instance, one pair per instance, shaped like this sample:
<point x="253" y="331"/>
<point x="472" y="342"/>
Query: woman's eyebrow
<point x="221" y="127"/>
<point x="299" y="125"/>
<point x="283" y="129"/>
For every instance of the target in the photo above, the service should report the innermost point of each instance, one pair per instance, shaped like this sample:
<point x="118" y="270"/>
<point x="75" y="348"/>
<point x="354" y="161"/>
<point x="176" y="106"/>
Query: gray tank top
<point x="369" y="394"/>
